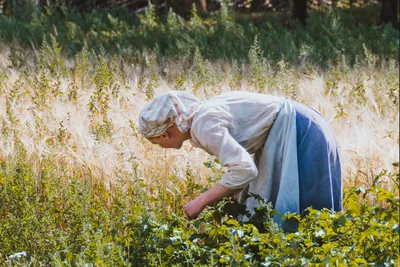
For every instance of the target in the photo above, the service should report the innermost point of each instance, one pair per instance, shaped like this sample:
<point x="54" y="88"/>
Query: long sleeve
<point x="211" y="133"/>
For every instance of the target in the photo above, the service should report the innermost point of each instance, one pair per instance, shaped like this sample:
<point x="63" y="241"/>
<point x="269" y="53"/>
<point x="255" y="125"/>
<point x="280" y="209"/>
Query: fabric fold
<point x="278" y="179"/>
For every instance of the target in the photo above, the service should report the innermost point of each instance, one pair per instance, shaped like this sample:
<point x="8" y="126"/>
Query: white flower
<point x="320" y="233"/>
<point x="18" y="255"/>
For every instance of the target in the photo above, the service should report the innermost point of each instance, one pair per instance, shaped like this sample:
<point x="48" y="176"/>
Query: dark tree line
<point x="300" y="10"/>
<point x="389" y="11"/>
<point x="389" y="8"/>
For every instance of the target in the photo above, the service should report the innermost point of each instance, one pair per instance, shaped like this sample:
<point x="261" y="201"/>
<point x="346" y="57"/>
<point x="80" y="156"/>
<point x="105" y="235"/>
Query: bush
<point x="71" y="220"/>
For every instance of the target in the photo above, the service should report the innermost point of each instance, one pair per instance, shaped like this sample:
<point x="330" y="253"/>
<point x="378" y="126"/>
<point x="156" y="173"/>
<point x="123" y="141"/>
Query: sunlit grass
<point x="87" y="123"/>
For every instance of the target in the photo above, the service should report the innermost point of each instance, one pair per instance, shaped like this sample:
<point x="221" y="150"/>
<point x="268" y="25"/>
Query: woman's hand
<point x="216" y="193"/>
<point x="193" y="208"/>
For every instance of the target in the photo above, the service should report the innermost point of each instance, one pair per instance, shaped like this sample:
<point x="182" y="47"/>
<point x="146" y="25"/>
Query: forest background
<point x="80" y="186"/>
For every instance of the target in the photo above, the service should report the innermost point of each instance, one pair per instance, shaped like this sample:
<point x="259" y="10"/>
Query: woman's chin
<point x="178" y="146"/>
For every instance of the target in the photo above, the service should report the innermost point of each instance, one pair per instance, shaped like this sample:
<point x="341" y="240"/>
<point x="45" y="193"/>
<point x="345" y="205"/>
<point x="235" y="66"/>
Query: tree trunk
<point x="300" y="10"/>
<point x="389" y="12"/>
<point x="203" y="5"/>
<point x="257" y="5"/>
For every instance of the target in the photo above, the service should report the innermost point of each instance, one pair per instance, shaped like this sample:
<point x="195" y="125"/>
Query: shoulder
<point x="208" y="124"/>
<point x="211" y="114"/>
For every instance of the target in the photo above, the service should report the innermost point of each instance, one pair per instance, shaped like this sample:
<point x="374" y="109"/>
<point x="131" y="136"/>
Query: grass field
<point x="79" y="185"/>
<point x="82" y="111"/>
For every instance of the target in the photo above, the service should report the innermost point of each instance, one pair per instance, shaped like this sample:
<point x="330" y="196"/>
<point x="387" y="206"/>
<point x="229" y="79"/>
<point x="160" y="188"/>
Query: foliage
<point x="328" y="37"/>
<point x="69" y="220"/>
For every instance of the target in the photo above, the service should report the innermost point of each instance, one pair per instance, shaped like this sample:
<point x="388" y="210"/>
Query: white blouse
<point x="232" y="126"/>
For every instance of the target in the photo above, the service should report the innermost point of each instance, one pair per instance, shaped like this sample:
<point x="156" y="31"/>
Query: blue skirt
<point x="320" y="177"/>
<point x="299" y="165"/>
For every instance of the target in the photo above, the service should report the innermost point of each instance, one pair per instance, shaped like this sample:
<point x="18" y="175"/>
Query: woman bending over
<point x="295" y="162"/>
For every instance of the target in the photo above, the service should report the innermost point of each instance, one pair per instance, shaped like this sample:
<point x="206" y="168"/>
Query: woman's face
<point x="172" y="138"/>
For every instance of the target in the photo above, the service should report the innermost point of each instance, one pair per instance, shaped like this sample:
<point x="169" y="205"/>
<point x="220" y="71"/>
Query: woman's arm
<point x="212" y="133"/>
<point x="216" y="193"/>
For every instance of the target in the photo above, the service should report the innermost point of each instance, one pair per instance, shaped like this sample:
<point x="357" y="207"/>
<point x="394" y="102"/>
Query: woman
<point x="296" y="162"/>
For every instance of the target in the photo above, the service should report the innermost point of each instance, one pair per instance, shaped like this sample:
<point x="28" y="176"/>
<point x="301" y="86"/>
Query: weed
<point x="258" y="67"/>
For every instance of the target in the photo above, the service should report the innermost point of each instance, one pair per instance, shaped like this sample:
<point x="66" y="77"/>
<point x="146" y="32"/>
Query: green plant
<point x="205" y="76"/>
<point x="258" y="67"/>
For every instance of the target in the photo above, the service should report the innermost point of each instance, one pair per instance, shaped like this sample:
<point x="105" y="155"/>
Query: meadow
<point x="79" y="186"/>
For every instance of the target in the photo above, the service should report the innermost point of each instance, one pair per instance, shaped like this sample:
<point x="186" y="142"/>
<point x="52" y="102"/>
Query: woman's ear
<point x="166" y="135"/>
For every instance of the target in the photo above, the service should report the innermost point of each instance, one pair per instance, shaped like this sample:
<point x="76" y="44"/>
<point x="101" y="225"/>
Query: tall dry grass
<point x="81" y="113"/>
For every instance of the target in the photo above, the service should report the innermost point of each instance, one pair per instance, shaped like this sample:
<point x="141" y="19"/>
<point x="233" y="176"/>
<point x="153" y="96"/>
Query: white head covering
<point x="172" y="107"/>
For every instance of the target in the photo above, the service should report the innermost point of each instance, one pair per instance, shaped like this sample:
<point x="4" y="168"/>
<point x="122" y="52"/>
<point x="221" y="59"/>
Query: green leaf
<point x="169" y="250"/>
<point x="359" y="260"/>
<point x="208" y="164"/>
<point x="233" y="222"/>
